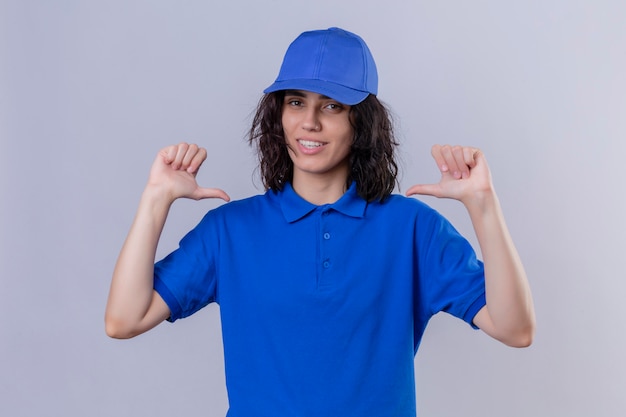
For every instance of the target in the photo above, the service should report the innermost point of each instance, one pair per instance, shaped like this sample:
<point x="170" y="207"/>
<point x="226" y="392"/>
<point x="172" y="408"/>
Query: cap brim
<point x="337" y="92"/>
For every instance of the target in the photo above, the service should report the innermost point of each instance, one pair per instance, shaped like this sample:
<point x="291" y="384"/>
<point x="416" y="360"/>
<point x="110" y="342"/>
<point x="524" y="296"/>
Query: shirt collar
<point x="295" y="207"/>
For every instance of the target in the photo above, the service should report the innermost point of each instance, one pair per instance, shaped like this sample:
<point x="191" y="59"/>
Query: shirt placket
<point x="326" y="259"/>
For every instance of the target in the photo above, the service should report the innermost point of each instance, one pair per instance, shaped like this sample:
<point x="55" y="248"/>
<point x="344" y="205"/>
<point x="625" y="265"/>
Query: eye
<point x="294" y="102"/>
<point x="334" y="106"/>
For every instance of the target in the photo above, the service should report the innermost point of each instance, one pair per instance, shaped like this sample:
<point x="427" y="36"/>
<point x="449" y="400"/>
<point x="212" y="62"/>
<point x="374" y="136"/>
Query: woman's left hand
<point x="464" y="174"/>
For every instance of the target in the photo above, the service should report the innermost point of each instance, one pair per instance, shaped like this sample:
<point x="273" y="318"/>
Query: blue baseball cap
<point x="332" y="62"/>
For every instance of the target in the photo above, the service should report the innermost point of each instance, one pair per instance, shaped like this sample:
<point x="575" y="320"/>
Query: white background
<point x="90" y="91"/>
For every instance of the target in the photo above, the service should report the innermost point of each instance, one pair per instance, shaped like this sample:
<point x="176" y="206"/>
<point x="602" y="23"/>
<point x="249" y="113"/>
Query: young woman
<point x="326" y="282"/>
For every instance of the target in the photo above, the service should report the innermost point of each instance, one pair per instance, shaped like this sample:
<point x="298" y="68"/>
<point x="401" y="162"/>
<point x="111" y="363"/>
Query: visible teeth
<point x="310" y="144"/>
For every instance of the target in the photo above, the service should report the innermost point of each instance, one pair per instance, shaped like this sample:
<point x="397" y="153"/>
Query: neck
<point x="319" y="190"/>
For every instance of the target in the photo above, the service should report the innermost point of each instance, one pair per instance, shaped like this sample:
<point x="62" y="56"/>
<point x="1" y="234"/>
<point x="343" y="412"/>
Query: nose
<point x="311" y="120"/>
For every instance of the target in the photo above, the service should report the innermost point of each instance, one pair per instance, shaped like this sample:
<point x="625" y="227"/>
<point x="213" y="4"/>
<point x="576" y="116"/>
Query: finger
<point x="192" y="150"/>
<point x="202" y="193"/>
<point x="424" y="189"/>
<point x="464" y="160"/>
<point x="450" y="156"/>
<point x="445" y="159"/>
<point x="168" y="154"/>
<point x="470" y="160"/>
<point x="469" y="156"/>
<point x="181" y="151"/>
<point x="197" y="160"/>
<point x="435" y="151"/>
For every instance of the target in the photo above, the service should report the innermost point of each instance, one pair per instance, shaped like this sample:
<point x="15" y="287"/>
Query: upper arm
<point x="483" y="321"/>
<point x="512" y="338"/>
<point x="157" y="312"/>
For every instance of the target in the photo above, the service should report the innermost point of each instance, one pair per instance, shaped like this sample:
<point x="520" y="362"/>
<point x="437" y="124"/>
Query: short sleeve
<point x="451" y="278"/>
<point x="186" y="278"/>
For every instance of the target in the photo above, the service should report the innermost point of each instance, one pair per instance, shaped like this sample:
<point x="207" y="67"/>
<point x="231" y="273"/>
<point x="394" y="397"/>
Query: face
<point x="319" y="135"/>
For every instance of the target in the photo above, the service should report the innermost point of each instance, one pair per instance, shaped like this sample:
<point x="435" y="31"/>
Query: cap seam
<point x="365" y="68"/>
<point x="321" y="54"/>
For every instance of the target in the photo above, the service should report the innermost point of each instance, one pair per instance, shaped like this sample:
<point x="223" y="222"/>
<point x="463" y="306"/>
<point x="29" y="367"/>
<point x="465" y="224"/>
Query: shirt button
<point x="326" y="264"/>
<point x="326" y="235"/>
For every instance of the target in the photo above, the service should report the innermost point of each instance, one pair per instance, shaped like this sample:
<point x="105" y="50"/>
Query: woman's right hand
<point x="134" y="306"/>
<point x="174" y="170"/>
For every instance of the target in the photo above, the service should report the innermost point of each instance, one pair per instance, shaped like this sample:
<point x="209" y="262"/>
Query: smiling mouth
<point x="310" y="144"/>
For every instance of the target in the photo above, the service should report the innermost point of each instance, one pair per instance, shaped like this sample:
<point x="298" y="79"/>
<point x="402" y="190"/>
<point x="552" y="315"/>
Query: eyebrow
<point x="298" y="93"/>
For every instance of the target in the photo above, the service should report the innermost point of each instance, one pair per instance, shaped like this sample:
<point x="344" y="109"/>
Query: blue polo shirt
<point x="322" y="307"/>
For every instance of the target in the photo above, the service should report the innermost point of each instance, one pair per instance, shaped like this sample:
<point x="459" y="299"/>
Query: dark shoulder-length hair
<point x="372" y="157"/>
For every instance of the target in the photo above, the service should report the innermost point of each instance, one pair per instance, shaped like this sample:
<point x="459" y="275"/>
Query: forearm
<point x="509" y="312"/>
<point x="128" y="310"/>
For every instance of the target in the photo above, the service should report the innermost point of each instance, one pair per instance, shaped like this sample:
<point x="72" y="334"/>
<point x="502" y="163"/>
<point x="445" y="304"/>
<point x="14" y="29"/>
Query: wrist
<point x="156" y="196"/>
<point x="482" y="202"/>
